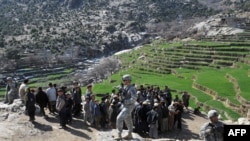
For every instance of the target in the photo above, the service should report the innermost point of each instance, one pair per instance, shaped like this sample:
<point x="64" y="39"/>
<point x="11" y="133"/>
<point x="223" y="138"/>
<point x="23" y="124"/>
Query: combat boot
<point x="119" y="137"/>
<point x="129" y="136"/>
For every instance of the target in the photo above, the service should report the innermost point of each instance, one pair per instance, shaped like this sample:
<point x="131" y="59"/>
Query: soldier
<point x="212" y="130"/>
<point x="128" y="99"/>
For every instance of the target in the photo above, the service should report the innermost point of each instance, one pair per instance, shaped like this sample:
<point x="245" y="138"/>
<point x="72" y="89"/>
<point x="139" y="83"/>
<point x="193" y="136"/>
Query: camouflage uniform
<point x="213" y="130"/>
<point x="128" y="99"/>
<point x="127" y="108"/>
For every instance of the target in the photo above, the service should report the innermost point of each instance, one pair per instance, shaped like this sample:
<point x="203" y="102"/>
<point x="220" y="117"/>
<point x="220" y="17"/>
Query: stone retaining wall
<point x="214" y="94"/>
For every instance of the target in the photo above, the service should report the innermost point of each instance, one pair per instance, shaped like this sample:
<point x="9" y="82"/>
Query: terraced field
<point x="216" y="74"/>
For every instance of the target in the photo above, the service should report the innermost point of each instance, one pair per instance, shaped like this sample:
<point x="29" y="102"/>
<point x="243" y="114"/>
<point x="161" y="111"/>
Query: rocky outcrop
<point x="15" y="107"/>
<point x="214" y="26"/>
<point x="240" y="121"/>
<point x="12" y="122"/>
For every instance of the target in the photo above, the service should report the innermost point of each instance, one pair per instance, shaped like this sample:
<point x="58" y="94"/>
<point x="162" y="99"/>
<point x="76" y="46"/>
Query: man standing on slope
<point x="128" y="99"/>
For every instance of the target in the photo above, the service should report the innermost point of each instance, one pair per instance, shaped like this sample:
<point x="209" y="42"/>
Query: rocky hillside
<point x="61" y="31"/>
<point x="91" y="27"/>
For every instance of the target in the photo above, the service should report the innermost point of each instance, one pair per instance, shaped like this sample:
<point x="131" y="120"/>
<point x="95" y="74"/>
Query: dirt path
<point x="48" y="129"/>
<point x="191" y="125"/>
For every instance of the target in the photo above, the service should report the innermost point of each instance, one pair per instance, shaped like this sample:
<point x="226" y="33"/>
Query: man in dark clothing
<point x="178" y="114"/>
<point x="42" y="100"/>
<point x="152" y="119"/>
<point x="142" y="113"/>
<point x="168" y="94"/>
<point x="77" y="99"/>
<point x="104" y="114"/>
<point x="68" y="105"/>
<point x="55" y="86"/>
<point x="30" y="103"/>
<point x="165" y="114"/>
<point x="61" y="108"/>
<point x="159" y="111"/>
<point x="136" y="119"/>
<point x="185" y="99"/>
<point x="114" y="111"/>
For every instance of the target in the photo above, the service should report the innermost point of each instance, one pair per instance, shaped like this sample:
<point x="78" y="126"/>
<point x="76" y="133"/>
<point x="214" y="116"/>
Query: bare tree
<point x="93" y="73"/>
<point x="105" y="68"/>
<point x="110" y="64"/>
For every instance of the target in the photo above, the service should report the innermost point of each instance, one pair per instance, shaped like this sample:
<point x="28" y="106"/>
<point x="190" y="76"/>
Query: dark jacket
<point x="42" y="98"/>
<point x="31" y="101"/>
<point x="152" y="117"/>
<point x="77" y="96"/>
<point x="143" y="112"/>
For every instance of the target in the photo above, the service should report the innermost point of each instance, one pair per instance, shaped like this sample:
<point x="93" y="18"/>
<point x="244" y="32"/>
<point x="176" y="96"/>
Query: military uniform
<point x="212" y="131"/>
<point x="129" y="97"/>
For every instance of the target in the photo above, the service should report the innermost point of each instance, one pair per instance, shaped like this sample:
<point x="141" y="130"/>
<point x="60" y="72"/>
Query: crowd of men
<point x="152" y="110"/>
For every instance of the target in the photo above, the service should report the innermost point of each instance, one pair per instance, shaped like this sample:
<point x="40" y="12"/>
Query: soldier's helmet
<point x="126" y="77"/>
<point x="212" y="113"/>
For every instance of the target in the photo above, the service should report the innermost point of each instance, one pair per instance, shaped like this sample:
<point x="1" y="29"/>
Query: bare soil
<point x="48" y="129"/>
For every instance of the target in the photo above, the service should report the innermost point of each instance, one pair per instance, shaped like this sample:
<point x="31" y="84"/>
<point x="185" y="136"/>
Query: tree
<point x="110" y="64"/>
<point x="106" y="67"/>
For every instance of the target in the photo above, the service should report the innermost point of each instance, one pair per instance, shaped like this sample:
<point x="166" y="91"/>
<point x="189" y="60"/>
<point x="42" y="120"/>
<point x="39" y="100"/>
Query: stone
<point x="248" y="114"/>
<point x="12" y="117"/>
<point x="243" y="121"/>
<point x="34" y="132"/>
<point x="228" y="122"/>
<point x="4" y="116"/>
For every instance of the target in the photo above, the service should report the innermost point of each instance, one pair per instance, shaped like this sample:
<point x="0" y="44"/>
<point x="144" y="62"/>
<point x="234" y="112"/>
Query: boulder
<point x="243" y="121"/>
<point x="16" y="107"/>
<point x="12" y="117"/>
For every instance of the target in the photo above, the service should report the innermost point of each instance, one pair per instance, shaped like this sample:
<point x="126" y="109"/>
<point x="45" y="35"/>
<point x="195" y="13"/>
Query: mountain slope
<point x="93" y="27"/>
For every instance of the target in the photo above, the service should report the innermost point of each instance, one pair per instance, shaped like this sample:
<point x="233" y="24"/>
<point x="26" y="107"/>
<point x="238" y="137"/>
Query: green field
<point x="42" y="81"/>
<point x="208" y="61"/>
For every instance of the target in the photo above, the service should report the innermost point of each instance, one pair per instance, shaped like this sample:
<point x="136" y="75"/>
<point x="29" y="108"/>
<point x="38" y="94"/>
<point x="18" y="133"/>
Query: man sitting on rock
<point x="11" y="91"/>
